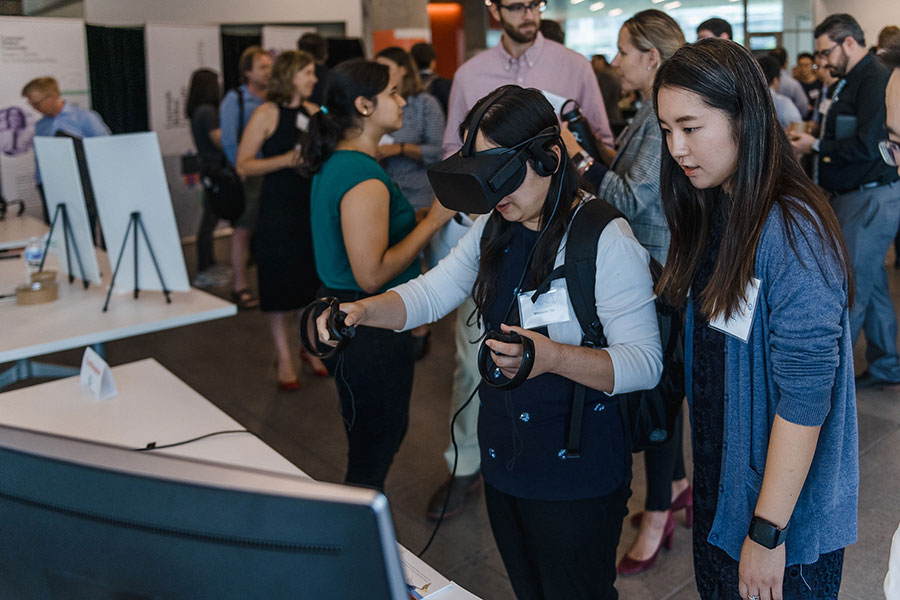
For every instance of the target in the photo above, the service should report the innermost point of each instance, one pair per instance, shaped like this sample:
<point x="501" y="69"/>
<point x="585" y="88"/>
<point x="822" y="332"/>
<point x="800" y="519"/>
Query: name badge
<point x="824" y="105"/>
<point x="302" y="122"/>
<point x="741" y="320"/>
<point x="96" y="376"/>
<point x="551" y="307"/>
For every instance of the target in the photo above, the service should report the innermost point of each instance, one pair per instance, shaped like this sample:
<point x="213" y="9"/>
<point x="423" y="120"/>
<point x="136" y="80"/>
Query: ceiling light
<point x="615" y="12"/>
<point x="672" y="5"/>
<point x="596" y="6"/>
<point x="580" y="1"/>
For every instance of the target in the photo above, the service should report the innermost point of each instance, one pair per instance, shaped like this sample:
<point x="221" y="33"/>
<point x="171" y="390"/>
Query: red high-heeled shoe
<point x="319" y="369"/>
<point x="291" y="385"/>
<point x="630" y="566"/>
<point x="684" y="500"/>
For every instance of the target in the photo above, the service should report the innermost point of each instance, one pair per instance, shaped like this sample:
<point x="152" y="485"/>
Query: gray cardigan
<point x="632" y="183"/>
<point x="798" y="363"/>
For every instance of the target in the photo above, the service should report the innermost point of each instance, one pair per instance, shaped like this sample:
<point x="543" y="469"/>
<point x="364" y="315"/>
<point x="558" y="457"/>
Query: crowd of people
<point x="769" y="197"/>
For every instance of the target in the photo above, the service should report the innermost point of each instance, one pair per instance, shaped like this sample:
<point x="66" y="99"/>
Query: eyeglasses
<point x="519" y="8"/>
<point x="36" y="103"/>
<point x="826" y="53"/>
<point x="890" y="152"/>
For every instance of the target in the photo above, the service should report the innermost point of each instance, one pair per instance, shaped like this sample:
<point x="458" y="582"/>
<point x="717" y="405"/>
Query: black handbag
<point x="223" y="185"/>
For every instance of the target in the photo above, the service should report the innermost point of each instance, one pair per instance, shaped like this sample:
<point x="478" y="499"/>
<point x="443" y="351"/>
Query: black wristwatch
<point x="766" y="534"/>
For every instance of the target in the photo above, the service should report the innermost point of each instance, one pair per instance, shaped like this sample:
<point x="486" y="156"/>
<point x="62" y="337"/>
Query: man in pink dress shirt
<point x="523" y="57"/>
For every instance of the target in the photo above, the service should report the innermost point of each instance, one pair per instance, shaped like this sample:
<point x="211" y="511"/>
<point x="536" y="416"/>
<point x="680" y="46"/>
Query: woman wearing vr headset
<point x="758" y="258"/>
<point x="556" y="518"/>
<point x="365" y="240"/>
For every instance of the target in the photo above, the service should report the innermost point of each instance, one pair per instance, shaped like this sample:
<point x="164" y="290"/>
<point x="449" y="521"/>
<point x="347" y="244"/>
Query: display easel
<point x="135" y="223"/>
<point x="69" y="238"/>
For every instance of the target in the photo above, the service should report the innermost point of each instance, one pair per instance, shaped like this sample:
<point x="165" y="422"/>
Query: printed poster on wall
<point x="174" y="52"/>
<point x="33" y="47"/>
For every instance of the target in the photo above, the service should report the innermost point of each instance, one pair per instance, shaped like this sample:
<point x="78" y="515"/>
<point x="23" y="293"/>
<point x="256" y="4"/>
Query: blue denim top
<point x="797" y="363"/>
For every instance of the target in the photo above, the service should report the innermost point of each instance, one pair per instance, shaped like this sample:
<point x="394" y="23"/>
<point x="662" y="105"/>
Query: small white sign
<point x="740" y="322"/>
<point x="551" y="307"/>
<point x="96" y="376"/>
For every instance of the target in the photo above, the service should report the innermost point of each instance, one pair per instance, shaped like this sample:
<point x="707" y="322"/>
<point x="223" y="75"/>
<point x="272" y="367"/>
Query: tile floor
<point x="230" y="362"/>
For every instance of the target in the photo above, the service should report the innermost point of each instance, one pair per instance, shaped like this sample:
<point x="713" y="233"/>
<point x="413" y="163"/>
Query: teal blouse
<point x="344" y="170"/>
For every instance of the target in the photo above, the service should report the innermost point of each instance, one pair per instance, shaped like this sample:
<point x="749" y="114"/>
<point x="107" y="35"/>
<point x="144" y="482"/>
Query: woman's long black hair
<point x="516" y="116"/>
<point x="346" y="82"/>
<point x="727" y="78"/>
<point x="204" y="89"/>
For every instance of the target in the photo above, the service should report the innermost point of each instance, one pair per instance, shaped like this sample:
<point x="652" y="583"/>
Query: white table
<point x="155" y="406"/>
<point x="16" y="231"/>
<point x="77" y="319"/>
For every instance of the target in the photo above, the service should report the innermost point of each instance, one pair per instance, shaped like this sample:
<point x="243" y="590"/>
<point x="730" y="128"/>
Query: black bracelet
<point x="402" y="149"/>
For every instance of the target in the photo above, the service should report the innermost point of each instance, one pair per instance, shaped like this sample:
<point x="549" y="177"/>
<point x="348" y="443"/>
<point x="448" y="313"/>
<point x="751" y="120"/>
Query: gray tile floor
<point x="230" y="362"/>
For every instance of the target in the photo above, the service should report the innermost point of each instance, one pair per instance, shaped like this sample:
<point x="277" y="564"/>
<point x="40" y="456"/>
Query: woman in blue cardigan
<point x="757" y="256"/>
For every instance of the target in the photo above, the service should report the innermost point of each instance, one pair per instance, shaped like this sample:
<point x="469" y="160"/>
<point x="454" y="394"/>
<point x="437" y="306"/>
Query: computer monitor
<point x="83" y="520"/>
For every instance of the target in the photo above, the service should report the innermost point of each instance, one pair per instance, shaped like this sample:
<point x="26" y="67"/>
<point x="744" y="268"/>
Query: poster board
<point x="33" y="47"/>
<point x="62" y="185"/>
<point x="168" y="83"/>
<point x="128" y="176"/>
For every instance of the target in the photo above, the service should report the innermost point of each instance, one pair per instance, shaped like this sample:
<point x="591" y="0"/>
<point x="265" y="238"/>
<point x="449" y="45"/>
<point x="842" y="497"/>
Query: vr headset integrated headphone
<point x="474" y="182"/>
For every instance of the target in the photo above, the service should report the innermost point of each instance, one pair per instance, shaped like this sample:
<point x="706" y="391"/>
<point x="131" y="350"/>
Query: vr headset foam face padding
<point x="474" y="182"/>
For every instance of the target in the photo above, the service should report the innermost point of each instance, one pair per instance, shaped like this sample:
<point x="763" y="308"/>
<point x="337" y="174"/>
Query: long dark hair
<point x="513" y="118"/>
<point x="347" y="82"/>
<point x="204" y="89"/>
<point x="727" y="78"/>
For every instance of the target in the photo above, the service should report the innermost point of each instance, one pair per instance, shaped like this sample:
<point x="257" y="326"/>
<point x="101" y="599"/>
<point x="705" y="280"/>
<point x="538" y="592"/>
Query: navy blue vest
<point x="522" y="433"/>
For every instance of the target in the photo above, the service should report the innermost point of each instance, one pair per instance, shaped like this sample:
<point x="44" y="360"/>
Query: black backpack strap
<point x="581" y="275"/>
<point x="240" y="95"/>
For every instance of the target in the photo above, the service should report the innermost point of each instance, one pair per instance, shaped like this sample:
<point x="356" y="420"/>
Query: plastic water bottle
<point x="34" y="254"/>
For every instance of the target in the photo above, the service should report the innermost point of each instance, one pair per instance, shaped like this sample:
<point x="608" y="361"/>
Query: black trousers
<point x="374" y="377"/>
<point x="558" y="549"/>
<point x="664" y="464"/>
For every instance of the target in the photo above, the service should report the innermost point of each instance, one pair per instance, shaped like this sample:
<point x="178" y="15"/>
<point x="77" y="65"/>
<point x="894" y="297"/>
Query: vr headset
<point x="474" y="182"/>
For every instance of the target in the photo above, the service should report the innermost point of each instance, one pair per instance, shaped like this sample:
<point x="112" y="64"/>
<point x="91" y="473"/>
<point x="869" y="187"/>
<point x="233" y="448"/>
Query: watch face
<point x="766" y="534"/>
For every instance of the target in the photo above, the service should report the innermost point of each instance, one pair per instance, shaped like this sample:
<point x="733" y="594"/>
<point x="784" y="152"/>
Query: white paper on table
<point x="96" y="376"/>
<point x="423" y="581"/>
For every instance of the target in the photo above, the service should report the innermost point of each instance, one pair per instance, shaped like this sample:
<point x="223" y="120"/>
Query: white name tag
<point x="96" y="376"/>
<point x="302" y="121"/>
<point x="386" y="139"/>
<point x="551" y="307"/>
<point x="824" y="105"/>
<point x="740" y="322"/>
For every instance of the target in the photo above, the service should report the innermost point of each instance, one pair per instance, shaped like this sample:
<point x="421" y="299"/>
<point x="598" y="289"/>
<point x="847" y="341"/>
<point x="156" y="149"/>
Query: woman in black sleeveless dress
<point x="283" y="239"/>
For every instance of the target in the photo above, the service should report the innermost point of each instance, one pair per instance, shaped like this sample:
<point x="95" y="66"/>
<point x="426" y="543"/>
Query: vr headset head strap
<point x="468" y="148"/>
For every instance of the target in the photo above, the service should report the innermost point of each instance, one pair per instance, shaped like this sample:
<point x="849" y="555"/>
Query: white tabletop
<point x="77" y="319"/>
<point x="16" y="231"/>
<point x="153" y="405"/>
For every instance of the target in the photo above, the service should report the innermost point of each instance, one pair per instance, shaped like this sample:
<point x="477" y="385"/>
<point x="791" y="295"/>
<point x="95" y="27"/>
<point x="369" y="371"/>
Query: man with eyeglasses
<point x="59" y="115"/>
<point x="865" y="192"/>
<point x="526" y="58"/>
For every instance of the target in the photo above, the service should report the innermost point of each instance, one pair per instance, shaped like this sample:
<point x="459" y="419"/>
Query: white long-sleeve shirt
<point x="623" y="292"/>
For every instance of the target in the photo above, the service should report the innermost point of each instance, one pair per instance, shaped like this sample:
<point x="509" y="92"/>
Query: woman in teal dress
<point x="365" y="240"/>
